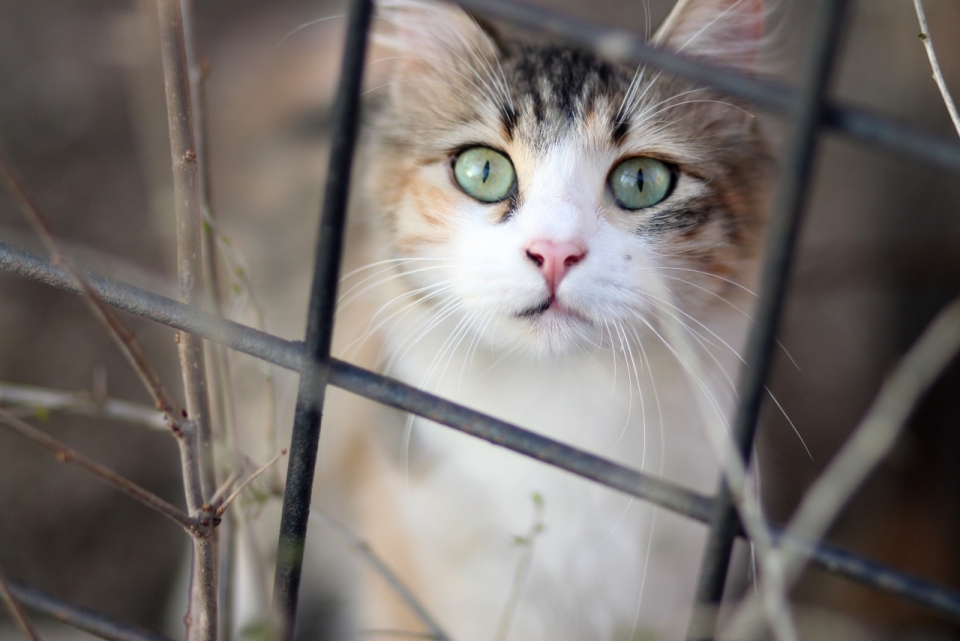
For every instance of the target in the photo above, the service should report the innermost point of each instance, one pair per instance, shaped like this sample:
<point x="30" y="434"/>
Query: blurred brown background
<point x="82" y="113"/>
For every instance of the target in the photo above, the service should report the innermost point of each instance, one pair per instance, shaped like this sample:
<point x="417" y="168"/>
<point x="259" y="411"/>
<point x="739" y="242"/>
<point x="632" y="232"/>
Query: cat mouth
<point x="552" y="307"/>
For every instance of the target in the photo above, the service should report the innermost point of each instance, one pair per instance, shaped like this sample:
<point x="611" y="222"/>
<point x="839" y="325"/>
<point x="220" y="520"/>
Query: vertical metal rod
<point x="778" y="256"/>
<point x="323" y="296"/>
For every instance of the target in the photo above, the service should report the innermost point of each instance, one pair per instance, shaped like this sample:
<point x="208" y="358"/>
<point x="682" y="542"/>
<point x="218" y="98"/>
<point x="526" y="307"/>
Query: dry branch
<point x="16" y="610"/>
<point x="436" y="632"/>
<point x="937" y="74"/>
<point x="203" y="529"/>
<point x="186" y="186"/>
<point x="188" y="197"/>
<point x="869" y="444"/>
<point x="124" y="337"/>
<point x="222" y="507"/>
<point x="50" y="400"/>
<point x="79" y="617"/>
<point x="66" y="454"/>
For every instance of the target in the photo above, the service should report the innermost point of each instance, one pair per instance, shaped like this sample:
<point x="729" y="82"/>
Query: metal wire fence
<point x="809" y="111"/>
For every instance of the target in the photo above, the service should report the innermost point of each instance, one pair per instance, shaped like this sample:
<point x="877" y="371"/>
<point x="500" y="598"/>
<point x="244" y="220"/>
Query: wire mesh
<point x="810" y="110"/>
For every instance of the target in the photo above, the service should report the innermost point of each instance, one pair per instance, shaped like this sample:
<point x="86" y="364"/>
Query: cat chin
<point x="546" y="336"/>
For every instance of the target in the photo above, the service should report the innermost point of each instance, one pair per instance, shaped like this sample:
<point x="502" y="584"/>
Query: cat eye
<point x="485" y="174"/>
<point x="640" y="182"/>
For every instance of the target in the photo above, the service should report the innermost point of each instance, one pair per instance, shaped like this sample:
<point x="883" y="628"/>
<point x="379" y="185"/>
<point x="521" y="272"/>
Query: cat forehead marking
<point x="556" y="89"/>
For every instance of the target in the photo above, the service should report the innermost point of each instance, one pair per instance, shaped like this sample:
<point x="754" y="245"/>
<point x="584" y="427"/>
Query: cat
<point x="526" y="221"/>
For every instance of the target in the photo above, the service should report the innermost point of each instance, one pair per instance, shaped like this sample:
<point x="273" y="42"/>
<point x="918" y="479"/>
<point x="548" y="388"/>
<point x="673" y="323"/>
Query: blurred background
<point x="82" y="113"/>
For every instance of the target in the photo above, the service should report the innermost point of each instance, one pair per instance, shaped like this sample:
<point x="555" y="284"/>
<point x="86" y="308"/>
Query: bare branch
<point x="186" y="186"/>
<point x="79" y="617"/>
<point x="397" y="633"/>
<point x="869" y="444"/>
<point x="66" y="454"/>
<point x="124" y="337"/>
<point x="81" y="403"/>
<point x="217" y="497"/>
<point x="377" y="563"/>
<point x="188" y="197"/>
<point x="263" y="468"/>
<point x="937" y="74"/>
<point x="16" y="610"/>
<point x="528" y="542"/>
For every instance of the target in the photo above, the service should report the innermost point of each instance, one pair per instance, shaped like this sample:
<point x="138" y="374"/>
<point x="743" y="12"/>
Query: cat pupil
<point x="486" y="171"/>
<point x="640" y="180"/>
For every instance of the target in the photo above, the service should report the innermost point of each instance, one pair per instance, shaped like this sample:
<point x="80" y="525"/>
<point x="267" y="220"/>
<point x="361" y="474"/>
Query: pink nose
<point x="554" y="259"/>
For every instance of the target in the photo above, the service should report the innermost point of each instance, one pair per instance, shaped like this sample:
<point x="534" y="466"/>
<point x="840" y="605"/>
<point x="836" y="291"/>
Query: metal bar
<point x="96" y="623"/>
<point x="323" y="299"/>
<point x="778" y="258"/>
<point x="290" y="354"/>
<point x="626" y="47"/>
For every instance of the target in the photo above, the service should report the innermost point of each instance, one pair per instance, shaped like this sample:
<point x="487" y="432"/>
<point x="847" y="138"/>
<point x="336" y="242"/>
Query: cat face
<point x="552" y="200"/>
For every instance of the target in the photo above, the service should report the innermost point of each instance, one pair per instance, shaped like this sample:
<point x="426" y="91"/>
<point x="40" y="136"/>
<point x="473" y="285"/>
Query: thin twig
<point x="937" y="74"/>
<point x="222" y="507"/>
<point x="217" y="497"/>
<point x="523" y="568"/>
<point x="869" y="444"/>
<point x="16" y="610"/>
<point x="66" y="454"/>
<point x="186" y="185"/>
<point x="124" y="337"/>
<point x="377" y="563"/>
<point x="398" y="633"/>
<point x="187" y="189"/>
<point x="50" y="400"/>
<point x="79" y="617"/>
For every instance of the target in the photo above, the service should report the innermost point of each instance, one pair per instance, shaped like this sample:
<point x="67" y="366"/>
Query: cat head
<point x="548" y="197"/>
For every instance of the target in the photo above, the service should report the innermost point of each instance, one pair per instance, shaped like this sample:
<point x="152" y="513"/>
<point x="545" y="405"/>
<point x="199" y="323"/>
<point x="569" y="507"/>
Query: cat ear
<point x="728" y="32"/>
<point x="425" y="34"/>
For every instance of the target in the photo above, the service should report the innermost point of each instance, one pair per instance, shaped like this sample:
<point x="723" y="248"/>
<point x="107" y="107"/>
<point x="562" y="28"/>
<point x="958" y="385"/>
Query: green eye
<point x="640" y="182"/>
<point x="485" y="174"/>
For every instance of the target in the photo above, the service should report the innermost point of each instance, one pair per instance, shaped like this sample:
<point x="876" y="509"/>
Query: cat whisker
<point x="418" y="80"/>
<point x="784" y="412"/>
<point x="647" y="109"/>
<point x="690" y="102"/>
<point x="400" y="261"/>
<point x="472" y="350"/>
<point x="704" y="345"/>
<point x="304" y="26"/>
<point x="622" y="111"/>
<point x="699" y="271"/>
<point x="628" y="354"/>
<point x="655" y="509"/>
<point x="502" y="87"/>
<point x="422" y="30"/>
<point x="722" y="299"/>
<point x="694" y="376"/>
<point x="478" y="55"/>
<point x="632" y="106"/>
<point x="437" y="290"/>
<point x="342" y="304"/>
<point x="439" y="316"/>
<point x="613" y="349"/>
<point x="674" y="306"/>
<point x="448" y="348"/>
<point x="706" y="26"/>
<point x="615" y="527"/>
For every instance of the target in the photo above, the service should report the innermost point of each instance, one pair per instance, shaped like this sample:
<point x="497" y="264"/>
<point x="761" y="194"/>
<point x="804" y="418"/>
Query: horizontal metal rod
<point x="623" y="46"/>
<point x="96" y="623"/>
<point x="289" y="355"/>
